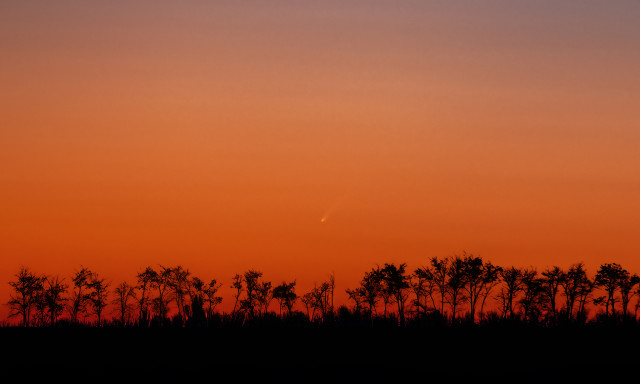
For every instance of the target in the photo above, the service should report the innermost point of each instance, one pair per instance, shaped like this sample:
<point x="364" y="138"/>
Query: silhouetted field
<point x="518" y="354"/>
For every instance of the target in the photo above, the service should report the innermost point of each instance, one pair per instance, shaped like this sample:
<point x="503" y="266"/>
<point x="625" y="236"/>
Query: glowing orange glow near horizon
<point x="310" y="137"/>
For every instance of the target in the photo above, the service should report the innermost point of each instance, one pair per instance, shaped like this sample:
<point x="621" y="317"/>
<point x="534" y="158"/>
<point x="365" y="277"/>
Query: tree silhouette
<point x="551" y="280"/>
<point x="264" y="295"/>
<point x="178" y="282"/>
<point x="626" y="285"/>
<point x="490" y="278"/>
<point x="161" y="282"/>
<point x="25" y="292"/>
<point x="125" y="294"/>
<point x="79" y="296"/>
<point x="285" y="295"/>
<point x="532" y="289"/>
<point x="99" y="295"/>
<point x="439" y="268"/>
<point x="145" y="283"/>
<point x="371" y="288"/>
<point x="54" y="290"/>
<point x="210" y="293"/>
<point x="512" y="281"/>
<point x="455" y="283"/>
<point x="396" y="281"/>
<point x="608" y="278"/>
<point x="474" y="281"/>
<point x="249" y="303"/>
<point x="237" y="285"/>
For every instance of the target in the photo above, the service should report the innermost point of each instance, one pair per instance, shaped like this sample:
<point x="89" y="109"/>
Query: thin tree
<point x="79" y="296"/>
<point x="396" y="282"/>
<point x="125" y="296"/>
<point x="626" y="286"/>
<point x="264" y="295"/>
<point x="237" y="285"/>
<point x="608" y="278"/>
<point x="25" y="292"/>
<point x="210" y="294"/>
<point x="511" y="278"/>
<point x="54" y="299"/>
<point x="439" y="268"/>
<point x="145" y="281"/>
<point x="249" y="303"/>
<point x="99" y="295"/>
<point x="552" y="278"/>
<point x="456" y="281"/>
<point x="491" y="278"/>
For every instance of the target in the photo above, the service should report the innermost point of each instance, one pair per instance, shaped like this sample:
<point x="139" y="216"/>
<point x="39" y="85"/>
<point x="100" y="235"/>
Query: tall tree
<point x="178" y="282"/>
<point x="237" y="285"/>
<point x="25" y="288"/>
<point x="626" y="285"/>
<point x="474" y="279"/>
<point x="249" y="303"/>
<point x="608" y="278"/>
<point x="491" y="278"/>
<point x="79" y="296"/>
<point x="99" y="295"/>
<point x="532" y="294"/>
<point x="161" y="282"/>
<point x="573" y="283"/>
<point x="439" y="268"/>
<point x="145" y="283"/>
<point x="211" y="296"/>
<point x="396" y="281"/>
<point x="125" y="295"/>
<point x="371" y="286"/>
<point x="264" y="295"/>
<point x="513" y="285"/>
<point x="456" y="280"/>
<point x="54" y="290"/>
<point x="551" y="280"/>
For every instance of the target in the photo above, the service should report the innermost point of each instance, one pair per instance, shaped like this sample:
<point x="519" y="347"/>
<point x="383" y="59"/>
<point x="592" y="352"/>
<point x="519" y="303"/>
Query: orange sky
<point x="216" y="136"/>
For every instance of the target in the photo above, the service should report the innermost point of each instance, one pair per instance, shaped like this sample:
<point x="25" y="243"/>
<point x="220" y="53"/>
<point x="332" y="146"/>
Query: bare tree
<point x="439" y="268"/>
<point x="161" y="282"/>
<point x="237" y="285"/>
<point x="551" y="280"/>
<point x="626" y="286"/>
<point x="511" y="278"/>
<point x="396" y="281"/>
<point x="249" y="303"/>
<point x="210" y="293"/>
<point x="264" y="295"/>
<point x="125" y="295"/>
<point x="491" y="278"/>
<point x="25" y="292"/>
<point x="54" y="299"/>
<point x="79" y="297"/>
<point x="456" y="281"/>
<point x="532" y="290"/>
<point x="178" y="282"/>
<point x="145" y="281"/>
<point x="572" y="285"/>
<point x="371" y="288"/>
<point x="608" y="278"/>
<point x="99" y="295"/>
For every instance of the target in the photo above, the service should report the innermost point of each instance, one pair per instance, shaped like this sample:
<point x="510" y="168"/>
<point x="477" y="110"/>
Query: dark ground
<point x="323" y="355"/>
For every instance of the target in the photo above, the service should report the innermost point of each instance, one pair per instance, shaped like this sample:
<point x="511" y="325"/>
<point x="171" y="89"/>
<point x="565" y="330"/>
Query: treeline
<point x="447" y="291"/>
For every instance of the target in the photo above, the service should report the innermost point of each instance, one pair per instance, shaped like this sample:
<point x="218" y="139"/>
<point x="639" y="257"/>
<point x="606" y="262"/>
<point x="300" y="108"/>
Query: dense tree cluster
<point x="452" y="290"/>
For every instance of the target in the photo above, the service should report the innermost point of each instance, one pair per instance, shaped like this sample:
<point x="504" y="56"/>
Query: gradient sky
<point x="218" y="134"/>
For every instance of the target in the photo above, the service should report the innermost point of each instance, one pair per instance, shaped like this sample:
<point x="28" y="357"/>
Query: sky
<point x="303" y="138"/>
